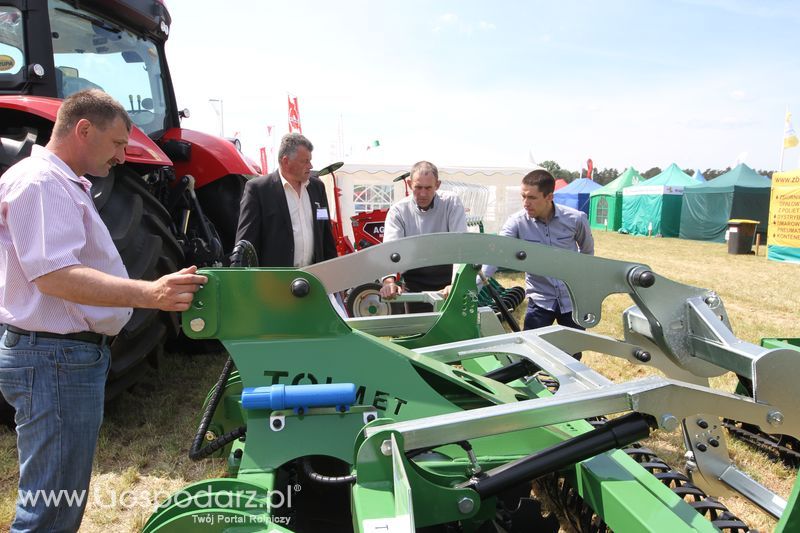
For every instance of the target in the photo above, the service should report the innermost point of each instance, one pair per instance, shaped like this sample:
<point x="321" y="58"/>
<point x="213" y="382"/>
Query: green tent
<point x="739" y="193"/>
<point x="654" y="206"/>
<point x="605" y="210"/>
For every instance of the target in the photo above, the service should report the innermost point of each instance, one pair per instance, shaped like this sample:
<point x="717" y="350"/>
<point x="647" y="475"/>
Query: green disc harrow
<point x="444" y="422"/>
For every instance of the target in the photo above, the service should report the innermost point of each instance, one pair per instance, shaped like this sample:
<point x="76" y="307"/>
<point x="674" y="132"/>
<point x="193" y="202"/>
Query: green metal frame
<point x="458" y="320"/>
<point x="290" y="334"/>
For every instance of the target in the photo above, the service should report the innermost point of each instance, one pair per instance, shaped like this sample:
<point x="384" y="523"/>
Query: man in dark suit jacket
<point x="285" y="214"/>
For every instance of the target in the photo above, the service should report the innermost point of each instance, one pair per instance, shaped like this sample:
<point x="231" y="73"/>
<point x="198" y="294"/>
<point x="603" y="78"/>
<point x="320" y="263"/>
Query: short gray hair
<point x="291" y="142"/>
<point x="92" y="104"/>
<point x="424" y="167"/>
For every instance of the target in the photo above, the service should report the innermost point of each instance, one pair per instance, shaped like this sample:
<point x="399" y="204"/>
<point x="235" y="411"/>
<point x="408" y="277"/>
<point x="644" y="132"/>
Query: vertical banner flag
<point x="294" y="115"/>
<point x="589" y="168"/>
<point x="790" y="139"/>
<point x="270" y="152"/>
<point x="264" y="165"/>
<point x="783" y="231"/>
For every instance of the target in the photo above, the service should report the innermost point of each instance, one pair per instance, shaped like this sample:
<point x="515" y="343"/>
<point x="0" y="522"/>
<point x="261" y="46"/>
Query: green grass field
<point x="147" y="432"/>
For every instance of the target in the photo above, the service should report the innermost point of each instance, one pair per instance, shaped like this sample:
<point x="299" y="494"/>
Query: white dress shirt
<point x="302" y="222"/>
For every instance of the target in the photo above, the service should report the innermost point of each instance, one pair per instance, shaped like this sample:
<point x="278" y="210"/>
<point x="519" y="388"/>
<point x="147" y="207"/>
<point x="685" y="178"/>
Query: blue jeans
<point x="57" y="387"/>
<point x="539" y="317"/>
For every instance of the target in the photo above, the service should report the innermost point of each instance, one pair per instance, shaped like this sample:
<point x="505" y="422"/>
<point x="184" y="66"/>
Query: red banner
<point x="264" y="169"/>
<point x="589" y="168"/>
<point x="294" y="115"/>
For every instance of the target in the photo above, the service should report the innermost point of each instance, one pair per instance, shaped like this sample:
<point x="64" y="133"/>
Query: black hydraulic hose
<point x="507" y="316"/>
<point x="507" y="374"/>
<point x="465" y="445"/>
<point x="219" y="443"/>
<point x="214" y="245"/>
<point x="175" y="193"/>
<point x="244" y="254"/>
<point x="196" y="452"/>
<point x="326" y="480"/>
<point x="617" y="433"/>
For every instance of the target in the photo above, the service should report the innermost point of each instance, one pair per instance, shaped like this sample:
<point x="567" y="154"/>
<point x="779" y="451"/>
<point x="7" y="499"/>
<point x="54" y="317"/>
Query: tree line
<point x="607" y="175"/>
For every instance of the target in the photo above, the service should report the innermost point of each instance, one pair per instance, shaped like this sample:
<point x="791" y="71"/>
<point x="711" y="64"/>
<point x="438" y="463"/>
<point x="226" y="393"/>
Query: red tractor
<point x="175" y="202"/>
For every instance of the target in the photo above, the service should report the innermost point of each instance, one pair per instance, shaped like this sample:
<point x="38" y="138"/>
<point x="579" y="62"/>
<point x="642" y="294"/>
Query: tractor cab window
<point x="12" y="49"/>
<point x="93" y="53"/>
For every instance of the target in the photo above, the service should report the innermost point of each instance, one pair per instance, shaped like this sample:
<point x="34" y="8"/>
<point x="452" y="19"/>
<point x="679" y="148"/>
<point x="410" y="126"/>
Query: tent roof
<point x="580" y="185"/>
<point x="561" y="183"/>
<point x="740" y="176"/>
<point x="399" y="169"/>
<point x="699" y="176"/>
<point x="672" y="176"/>
<point x="630" y="177"/>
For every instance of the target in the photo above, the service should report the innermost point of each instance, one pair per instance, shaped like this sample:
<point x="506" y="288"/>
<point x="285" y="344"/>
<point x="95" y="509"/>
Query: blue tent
<point x="576" y="194"/>
<point x="699" y="176"/>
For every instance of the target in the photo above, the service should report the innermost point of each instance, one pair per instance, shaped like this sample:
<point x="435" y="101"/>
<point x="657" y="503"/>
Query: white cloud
<point x="740" y="95"/>
<point x="449" y="18"/>
<point x="486" y="26"/>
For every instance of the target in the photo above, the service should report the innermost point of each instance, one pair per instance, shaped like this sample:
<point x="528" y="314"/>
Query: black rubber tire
<point x="18" y="134"/>
<point x="140" y="228"/>
<point x="364" y="301"/>
<point x="220" y="201"/>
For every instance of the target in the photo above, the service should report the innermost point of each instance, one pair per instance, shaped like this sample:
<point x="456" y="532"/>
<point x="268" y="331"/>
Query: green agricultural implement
<point x="778" y="446"/>
<point x="443" y="422"/>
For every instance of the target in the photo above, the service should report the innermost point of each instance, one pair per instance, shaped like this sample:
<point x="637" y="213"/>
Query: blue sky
<point x="701" y="83"/>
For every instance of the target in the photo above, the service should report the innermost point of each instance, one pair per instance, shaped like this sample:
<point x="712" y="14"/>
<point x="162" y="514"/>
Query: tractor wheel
<point x="365" y="301"/>
<point x="140" y="228"/>
<point x="220" y="200"/>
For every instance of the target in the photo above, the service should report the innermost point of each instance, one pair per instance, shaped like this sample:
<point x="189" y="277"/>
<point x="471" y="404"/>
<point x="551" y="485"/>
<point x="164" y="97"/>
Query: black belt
<point x="83" y="336"/>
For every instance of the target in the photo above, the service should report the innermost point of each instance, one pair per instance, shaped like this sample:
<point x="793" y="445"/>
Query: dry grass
<point x="144" y="440"/>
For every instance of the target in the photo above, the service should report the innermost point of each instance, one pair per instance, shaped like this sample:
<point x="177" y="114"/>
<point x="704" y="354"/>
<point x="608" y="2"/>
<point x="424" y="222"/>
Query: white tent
<point x="367" y="187"/>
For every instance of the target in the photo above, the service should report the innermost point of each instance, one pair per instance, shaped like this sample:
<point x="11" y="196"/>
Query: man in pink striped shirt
<point x="63" y="292"/>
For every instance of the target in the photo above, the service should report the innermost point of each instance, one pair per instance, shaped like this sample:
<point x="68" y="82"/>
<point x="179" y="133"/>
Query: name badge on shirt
<point x="322" y="213"/>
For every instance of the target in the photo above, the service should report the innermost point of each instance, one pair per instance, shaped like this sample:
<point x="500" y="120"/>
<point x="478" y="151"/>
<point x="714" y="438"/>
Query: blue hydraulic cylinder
<point x="275" y="397"/>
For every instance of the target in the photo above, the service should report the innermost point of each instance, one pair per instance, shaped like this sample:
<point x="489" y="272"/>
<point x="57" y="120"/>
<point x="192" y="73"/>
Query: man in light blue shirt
<point x="544" y="222"/>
